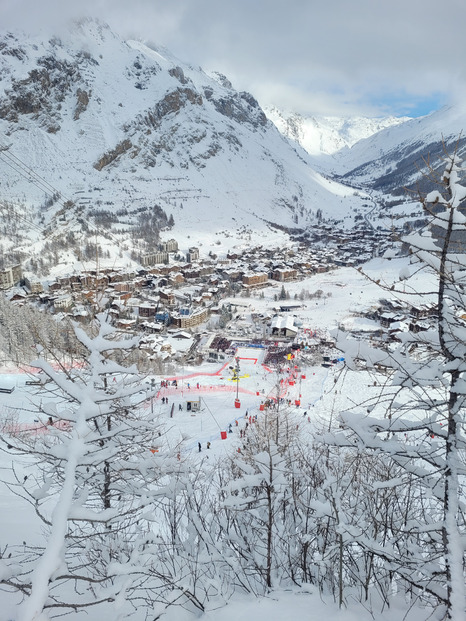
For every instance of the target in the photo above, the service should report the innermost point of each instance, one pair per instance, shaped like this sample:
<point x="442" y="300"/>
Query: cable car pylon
<point x="235" y="378"/>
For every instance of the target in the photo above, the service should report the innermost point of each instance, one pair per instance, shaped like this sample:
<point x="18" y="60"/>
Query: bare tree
<point x="418" y="421"/>
<point x="89" y="482"/>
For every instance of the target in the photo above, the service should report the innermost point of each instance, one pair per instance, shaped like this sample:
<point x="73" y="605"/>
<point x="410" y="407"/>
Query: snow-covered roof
<point x="283" y="323"/>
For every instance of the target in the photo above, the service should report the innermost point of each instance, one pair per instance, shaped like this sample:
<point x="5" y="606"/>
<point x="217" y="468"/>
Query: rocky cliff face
<point x="45" y="86"/>
<point x="107" y="131"/>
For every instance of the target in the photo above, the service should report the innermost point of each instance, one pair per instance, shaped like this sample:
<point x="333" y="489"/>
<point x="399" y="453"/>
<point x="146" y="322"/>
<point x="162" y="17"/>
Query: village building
<point x="255" y="279"/>
<point x="423" y="311"/>
<point x="206" y="270"/>
<point x="63" y="302"/>
<point x="179" y="334"/>
<point x="123" y="296"/>
<point x="289" y="307"/>
<point x="33" y="284"/>
<point x="396" y="328"/>
<point x="89" y="279"/>
<point x="191" y="273"/>
<point x="283" y="327"/>
<point x="419" y="326"/>
<point x="167" y="297"/>
<point x="321" y="268"/>
<point x="125" y="324"/>
<point x="80" y="313"/>
<point x="284" y="274"/>
<point x="155" y="258"/>
<point x="176" y="278"/>
<point x="152" y="327"/>
<point x="17" y="294"/>
<point x="169" y="246"/>
<point x="10" y="276"/>
<point x="192" y="254"/>
<point x="233" y="274"/>
<point x="387" y="319"/>
<point x="146" y="310"/>
<point x="54" y="286"/>
<point x="124" y="286"/>
<point x="195" y="318"/>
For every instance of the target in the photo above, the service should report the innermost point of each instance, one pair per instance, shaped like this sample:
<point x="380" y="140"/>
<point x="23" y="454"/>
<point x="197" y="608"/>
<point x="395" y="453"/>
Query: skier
<point x="199" y="446"/>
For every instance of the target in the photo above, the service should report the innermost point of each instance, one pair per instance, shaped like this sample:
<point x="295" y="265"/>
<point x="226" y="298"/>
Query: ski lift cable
<point x="6" y="154"/>
<point x="23" y="169"/>
<point x="24" y="173"/>
<point x="23" y="218"/>
<point x="16" y="164"/>
<point x="30" y="175"/>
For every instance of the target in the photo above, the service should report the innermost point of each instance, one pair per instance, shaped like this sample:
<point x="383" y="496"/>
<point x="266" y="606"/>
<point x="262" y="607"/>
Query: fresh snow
<point x="209" y="171"/>
<point x="226" y="201"/>
<point x="346" y="293"/>
<point x="326" y="135"/>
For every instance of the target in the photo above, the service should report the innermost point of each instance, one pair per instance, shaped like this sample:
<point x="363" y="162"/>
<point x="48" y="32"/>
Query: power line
<point x="19" y="166"/>
<point x="19" y="216"/>
<point x="30" y="175"/>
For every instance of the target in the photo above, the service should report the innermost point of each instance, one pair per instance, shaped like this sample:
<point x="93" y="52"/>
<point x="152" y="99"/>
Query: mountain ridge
<point x="395" y="157"/>
<point x="118" y="140"/>
<point x="119" y="128"/>
<point x="326" y="135"/>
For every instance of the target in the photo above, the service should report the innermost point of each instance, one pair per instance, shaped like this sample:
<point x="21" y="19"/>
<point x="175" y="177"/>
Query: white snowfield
<point x="311" y="395"/>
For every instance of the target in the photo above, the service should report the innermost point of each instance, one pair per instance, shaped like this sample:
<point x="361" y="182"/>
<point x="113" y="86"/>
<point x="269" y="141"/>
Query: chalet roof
<point x="283" y="323"/>
<point x="399" y="326"/>
<point x="134" y="302"/>
<point x="126" y="322"/>
<point x="17" y="293"/>
<point x="182" y="335"/>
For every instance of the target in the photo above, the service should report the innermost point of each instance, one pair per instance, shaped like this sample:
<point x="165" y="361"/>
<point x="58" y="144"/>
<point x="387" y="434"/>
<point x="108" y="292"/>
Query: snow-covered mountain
<point x="101" y="134"/>
<point x="389" y="164"/>
<point x="112" y="140"/>
<point x="327" y="134"/>
<point x="385" y="155"/>
<point x="396" y="157"/>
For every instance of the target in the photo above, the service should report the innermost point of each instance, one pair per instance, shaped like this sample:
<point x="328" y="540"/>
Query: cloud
<point x="344" y="58"/>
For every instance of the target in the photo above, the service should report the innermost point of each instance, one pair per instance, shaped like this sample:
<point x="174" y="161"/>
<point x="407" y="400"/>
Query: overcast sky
<point x="332" y="57"/>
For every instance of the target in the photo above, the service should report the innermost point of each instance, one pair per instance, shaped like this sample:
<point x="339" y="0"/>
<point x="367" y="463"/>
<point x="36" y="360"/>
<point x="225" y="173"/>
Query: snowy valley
<point x="232" y="348"/>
